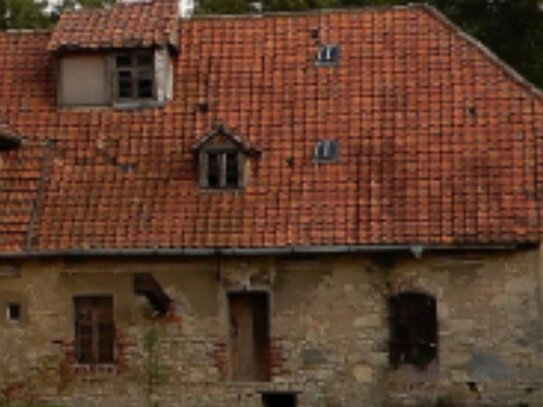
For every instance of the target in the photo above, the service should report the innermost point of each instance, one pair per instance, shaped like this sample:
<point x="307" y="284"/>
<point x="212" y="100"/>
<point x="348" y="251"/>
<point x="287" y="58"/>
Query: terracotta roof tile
<point x="438" y="143"/>
<point x="20" y="173"/>
<point x="145" y="23"/>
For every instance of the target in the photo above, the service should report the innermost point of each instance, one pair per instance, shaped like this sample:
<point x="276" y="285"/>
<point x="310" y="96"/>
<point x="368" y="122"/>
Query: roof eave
<point x="416" y="249"/>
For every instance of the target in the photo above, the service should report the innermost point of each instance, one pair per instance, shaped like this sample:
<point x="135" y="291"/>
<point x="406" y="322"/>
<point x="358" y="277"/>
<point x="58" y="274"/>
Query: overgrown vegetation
<point x="155" y="374"/>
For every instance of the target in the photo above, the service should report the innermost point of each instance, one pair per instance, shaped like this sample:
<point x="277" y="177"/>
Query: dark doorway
<point x="279" y="400"/>
<point x="413" y="329"/>
<point x="249" y="336"/>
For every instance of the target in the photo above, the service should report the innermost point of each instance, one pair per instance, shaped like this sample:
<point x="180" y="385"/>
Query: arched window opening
<point x="413" y="329"/>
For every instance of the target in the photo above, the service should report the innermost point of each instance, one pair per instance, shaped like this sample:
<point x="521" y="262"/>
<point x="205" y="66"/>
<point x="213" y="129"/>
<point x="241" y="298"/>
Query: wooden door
<point x="249" y="336"/>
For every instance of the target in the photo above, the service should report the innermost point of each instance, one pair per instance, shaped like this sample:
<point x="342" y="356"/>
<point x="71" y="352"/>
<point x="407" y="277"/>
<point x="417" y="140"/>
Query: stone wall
<point x="329" y="330"/>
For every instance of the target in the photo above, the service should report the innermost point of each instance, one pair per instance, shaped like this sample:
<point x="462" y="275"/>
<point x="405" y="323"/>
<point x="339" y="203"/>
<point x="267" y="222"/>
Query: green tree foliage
<point x="513" y="29"/>
<point x="36" y="13"/>
<point x="63" y="5"/>
<point x="23" y="14"/>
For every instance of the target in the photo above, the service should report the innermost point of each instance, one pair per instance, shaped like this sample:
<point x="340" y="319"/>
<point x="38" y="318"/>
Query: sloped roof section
<point x="438" y="143"/>
<point x="147" y="23"/>
<point x="220" y="129"/>
<point x="21" y="175"/>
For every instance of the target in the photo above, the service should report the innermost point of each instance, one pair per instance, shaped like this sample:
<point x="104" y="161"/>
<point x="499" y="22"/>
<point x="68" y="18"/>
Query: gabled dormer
<point x="223" y="159"/>
<point x="118" y="57"/>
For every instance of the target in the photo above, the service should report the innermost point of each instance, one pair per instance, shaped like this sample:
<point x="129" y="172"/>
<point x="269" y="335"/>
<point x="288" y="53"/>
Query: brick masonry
<point x="329" y="330"/>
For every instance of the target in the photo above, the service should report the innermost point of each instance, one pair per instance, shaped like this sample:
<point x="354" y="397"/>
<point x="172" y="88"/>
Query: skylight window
<point x="326" y="151"/>
<point x="328" y="55"/>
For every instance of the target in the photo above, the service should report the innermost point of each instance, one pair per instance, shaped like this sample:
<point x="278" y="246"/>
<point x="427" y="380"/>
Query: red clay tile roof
<point x="134" y="25"/>
<point x="20" y="174"/>
<point x="438" y="142"/>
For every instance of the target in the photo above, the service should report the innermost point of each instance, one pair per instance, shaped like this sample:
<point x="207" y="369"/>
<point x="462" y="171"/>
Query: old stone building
<point x="320" y="209"/>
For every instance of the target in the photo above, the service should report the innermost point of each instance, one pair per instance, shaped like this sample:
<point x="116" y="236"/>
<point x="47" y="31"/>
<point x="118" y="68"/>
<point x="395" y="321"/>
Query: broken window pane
<point x="94" y="329"/>
<point x="413" y="329"/>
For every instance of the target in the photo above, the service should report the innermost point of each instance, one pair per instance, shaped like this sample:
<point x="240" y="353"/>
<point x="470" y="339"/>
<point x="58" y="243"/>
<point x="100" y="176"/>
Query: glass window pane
<point x="232" y="169"/>
<point x="125" y="84"/>
<point x="213" y="170"/>
<point x="145" y="84"/>
<point x="145" y="88"/>
<point x="124" y="60"/>
<point x="144" y="59"/>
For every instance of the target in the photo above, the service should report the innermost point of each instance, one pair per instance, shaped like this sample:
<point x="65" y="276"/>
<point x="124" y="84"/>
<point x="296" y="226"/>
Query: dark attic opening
<point x="145" y="284"/>
<point x="413" y="329"/>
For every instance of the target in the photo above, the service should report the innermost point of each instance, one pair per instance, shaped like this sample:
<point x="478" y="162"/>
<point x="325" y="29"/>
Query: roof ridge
<point x="311" y="12"/>
<point x="27" y="31"/>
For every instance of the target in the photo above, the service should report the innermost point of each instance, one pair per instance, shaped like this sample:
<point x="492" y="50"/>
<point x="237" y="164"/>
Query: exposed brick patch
<point x="277" y="357"/>
<point x="220" y="358"/>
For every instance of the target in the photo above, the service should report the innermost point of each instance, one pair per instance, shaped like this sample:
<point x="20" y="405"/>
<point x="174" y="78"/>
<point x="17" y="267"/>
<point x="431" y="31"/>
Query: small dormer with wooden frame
<point x="223" y="158"/>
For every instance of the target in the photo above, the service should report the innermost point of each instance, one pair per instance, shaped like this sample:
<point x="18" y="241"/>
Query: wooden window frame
<point x="133" y="69"/>
<point x="222" y="151"/>
<point x="96" y="325"/>
<point x="413" y="329"/>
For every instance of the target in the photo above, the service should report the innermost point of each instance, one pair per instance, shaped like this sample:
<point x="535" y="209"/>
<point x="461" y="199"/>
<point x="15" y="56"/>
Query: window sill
<point x="95" y="369"/>
<point x="220" y="190"/>
<point x="138" y="104"/>
<point x="266" y="384"/>
<point x="121" y="106"/>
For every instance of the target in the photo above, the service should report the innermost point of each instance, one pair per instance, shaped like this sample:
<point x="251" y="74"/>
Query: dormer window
<point x="123" y="79"/>
<point x="328" y="55"/>
<point x="120" y="58"/>
<point x="222" y="168"/>
<point x="223" y="157"/>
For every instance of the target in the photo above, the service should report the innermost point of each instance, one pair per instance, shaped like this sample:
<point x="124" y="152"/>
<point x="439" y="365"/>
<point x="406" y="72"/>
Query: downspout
<point x="539" y="300"/>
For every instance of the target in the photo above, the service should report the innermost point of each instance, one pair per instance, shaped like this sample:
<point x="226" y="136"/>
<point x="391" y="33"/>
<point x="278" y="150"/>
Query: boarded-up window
<point x="279" y="400"/>
<point x="94" y="329"/>
<point x="249" y="336"/>
<point x="83" y="80"/>
<point x="413" y="329"/>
